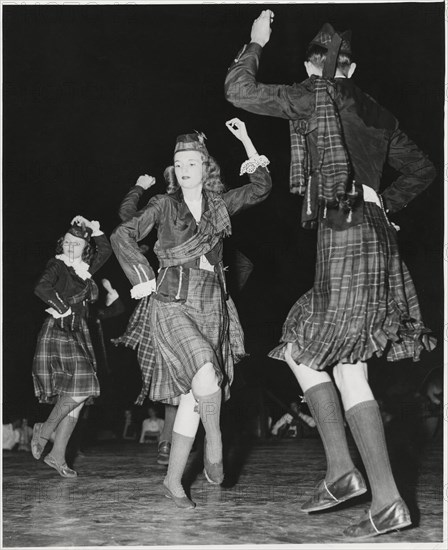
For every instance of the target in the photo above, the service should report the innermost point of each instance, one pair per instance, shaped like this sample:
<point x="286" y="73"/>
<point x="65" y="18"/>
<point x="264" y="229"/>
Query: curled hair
<point x="317" y="55"/>
<point x="212" y="180"/>
<point x="87" y="253"/>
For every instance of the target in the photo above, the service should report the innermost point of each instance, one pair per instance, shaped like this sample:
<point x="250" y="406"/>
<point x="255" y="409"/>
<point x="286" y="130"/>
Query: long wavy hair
<point x="87" y="253"/>
<point x="211" y="178"/>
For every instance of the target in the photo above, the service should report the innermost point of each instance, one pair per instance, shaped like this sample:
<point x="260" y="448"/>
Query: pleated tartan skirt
<point x="64" y="363"/>
<point x="363" y="301"/>
<point x="185" y="336"/>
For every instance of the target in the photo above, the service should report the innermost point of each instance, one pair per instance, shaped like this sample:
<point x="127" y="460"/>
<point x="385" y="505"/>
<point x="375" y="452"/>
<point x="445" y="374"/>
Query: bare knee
<point x="205" y="380"/>
<point x="347" y="375"/>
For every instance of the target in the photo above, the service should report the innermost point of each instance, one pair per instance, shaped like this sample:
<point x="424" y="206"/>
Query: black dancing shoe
<point x="326" y="495"/>
<point x="163" y="452"/>
<point x="391" y="518"/>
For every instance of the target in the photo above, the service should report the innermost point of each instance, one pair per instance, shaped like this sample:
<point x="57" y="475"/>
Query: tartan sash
<point x="214" y="225"/>
<point x="329" y="190"/>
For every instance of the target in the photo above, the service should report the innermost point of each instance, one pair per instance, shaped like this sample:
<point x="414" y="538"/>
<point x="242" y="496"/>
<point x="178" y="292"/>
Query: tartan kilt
<point x="64" y="363"/>
<point x="363" y="301"/>
<point x="176" y="339"/>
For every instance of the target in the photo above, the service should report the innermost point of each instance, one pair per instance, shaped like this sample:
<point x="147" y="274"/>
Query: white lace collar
<point x="81" y="268"/>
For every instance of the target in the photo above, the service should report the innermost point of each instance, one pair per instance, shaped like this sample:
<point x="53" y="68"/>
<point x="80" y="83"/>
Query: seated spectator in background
<point x="288" y="423"/>
<point x="431" y="402"/>
<point x="17" y="433"/>
<point x="151" y="427"/>
<point x="10" y="435"/>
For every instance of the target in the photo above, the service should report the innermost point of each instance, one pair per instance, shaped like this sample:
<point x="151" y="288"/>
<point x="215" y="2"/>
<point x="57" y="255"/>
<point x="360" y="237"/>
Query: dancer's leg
<point x="209" y="395"/>
<point x="184" y="431"/>
<point x="63" y="434"/>
<point x="364" y="418"/>
<point x="323" y="401"/>
<point x="42" y="432"/>
<point x="170" y="417"/>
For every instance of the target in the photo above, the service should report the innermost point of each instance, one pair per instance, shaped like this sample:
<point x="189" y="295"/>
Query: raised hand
<point x="146" y="181"/>
<point x="261" y="28"/>
<point x="80" y="220"/>
<point x="238" y="128"/>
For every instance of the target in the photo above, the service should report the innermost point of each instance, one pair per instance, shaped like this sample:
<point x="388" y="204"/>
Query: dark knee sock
<point x="180" y="450"/>
<point x="63" y="406"/>
<point x="210" y="413"/>
<point x="62" y="437"/>
<point x="367" y="428"/>
<point x="170" y="417"/>
<point x="323" y="402"/>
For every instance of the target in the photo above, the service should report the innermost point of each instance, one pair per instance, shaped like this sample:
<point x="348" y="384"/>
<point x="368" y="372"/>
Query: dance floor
<point x="117" y="499"/>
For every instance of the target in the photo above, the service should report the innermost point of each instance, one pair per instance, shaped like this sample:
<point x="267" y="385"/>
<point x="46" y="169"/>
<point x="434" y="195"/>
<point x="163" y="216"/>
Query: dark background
<point x="94" y="96"/>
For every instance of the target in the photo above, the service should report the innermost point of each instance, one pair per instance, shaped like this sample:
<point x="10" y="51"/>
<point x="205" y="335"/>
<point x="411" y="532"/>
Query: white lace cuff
<point x="143" y="289"/>
<point x="250" y="165"/>
<point x="97" y="233"/>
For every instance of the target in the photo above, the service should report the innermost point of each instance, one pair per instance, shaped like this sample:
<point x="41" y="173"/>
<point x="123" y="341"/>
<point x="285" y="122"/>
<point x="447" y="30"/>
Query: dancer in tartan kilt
<point x="186" y="327"/>
<point x="64" y="366"/>
<point x="363" y="301"/>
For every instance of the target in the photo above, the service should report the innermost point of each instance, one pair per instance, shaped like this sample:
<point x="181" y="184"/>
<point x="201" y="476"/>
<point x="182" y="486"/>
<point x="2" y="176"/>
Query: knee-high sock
<point x="62" y="437"/>
<point x="180" y="450"/>
<point x="323" y="402"/>
<point x="210" y="412"/>
<point x="367" y="428"/>
<point x="170" y="417"/>
<point x="183" y="434"/>
<point x="64" y="405"/>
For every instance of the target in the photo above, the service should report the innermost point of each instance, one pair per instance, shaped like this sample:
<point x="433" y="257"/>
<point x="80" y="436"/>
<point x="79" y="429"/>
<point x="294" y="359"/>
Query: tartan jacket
<point x="175" y="224"/>
<point x="58" y="283"/>
<point x="372" y="134"/>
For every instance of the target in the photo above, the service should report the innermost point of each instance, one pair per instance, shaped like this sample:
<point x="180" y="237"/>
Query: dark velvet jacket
<point x="59" y="283"/>
<point x="175" y="224"/>
<point x="371" y="133"/>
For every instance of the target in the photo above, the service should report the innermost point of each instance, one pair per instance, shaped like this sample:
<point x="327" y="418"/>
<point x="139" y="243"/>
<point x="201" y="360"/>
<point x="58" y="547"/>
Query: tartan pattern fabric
<point x="363" y="301"/>
<point x="298" y="168"/>
<point x="329" y="184"/>
<point x="64" y="363"/>
<point x="175" y="339"/>
<point x="214" y="225"/>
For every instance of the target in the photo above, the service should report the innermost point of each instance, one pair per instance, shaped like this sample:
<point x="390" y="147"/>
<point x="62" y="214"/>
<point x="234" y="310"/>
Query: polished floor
<point x="117" y="499"/>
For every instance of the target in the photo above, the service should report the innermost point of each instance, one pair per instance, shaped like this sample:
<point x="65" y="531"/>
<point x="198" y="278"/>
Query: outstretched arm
<point x="255" y="166"/>
<point x="243" y="90"/>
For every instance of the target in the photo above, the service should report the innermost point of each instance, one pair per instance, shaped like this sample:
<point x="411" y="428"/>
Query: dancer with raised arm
<point x="64" y="367"/>
<point x="363" y="302"/>
<point x="186" y="326"/>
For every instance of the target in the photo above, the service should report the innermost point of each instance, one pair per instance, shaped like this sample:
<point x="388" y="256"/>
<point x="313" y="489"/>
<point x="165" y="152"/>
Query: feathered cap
<point x="191" y="142"/>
